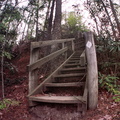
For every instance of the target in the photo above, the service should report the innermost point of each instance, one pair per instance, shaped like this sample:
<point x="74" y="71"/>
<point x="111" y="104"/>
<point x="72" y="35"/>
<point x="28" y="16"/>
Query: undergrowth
<point x="110" y="83"/>
<point x="5" y="103"/>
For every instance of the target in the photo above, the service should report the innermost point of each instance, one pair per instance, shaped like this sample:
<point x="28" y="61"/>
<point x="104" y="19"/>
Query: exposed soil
<point x="107" y="109"/>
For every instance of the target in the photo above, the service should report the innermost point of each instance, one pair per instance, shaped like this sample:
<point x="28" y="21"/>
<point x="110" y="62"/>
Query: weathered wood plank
<point x="69" y="75"/>
<point x="73" y="61"/>
<point x="73" y="69"/>
<point x="72" y="65"/>
<point x="58" y="99"/>
<point x="73" y="46"/>
<point x="40" y="62"/>
<point x="83" y="59"/>
<point x="72" y="84"/>
<point x="33" y="75"/>
<point x="75" y="58"/>
<point x="48" y="79"/>
<point x="92" y="71"/>
<point x="49" y="42"/>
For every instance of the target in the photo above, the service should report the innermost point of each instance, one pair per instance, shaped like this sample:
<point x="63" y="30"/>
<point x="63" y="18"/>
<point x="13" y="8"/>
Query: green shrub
<point x="109" y="83"/>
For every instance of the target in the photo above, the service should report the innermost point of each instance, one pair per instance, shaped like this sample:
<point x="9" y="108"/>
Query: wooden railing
<point x="92" y="71"/>
<point x="87" y="58"/>
<point x="36" y="63"/>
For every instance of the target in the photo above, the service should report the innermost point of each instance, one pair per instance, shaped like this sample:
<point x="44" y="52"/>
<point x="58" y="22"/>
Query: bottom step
<point x="58" y="99"/>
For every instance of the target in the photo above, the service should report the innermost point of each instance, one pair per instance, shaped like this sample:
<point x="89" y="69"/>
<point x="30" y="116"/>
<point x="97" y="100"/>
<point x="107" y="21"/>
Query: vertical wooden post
<point x="63" y="45"/>
<point x="33" y="75"/>
<point x="92" y="71"/>
<point x="73" y="46"/>
<point x="65" y="54"/>
<point x="83" y="59"/>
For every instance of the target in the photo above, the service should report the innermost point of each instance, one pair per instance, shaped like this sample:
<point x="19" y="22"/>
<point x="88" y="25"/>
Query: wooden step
<point x="73" y="69"/>
<point x="72" y="84"/>
<point x="74" y="58"/>
<point x="73" y="61"/>
<point x="58" y="99"/>
<point x="72" y="65"/>
<point x="76" y="55"/>
<point x="69" y="75"/>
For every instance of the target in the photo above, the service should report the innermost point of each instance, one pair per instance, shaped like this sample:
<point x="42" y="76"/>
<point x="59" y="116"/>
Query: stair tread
<point x="74" y="58"/>
<point x="70" y="64"/>
<point x="58" y="99"/>
<point x="72" y="69"/>
<point x="71" y="84"/>
<point x="70" y="75"/>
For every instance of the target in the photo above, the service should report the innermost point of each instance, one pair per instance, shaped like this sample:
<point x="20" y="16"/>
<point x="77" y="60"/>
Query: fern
<point x="109" y="83"/>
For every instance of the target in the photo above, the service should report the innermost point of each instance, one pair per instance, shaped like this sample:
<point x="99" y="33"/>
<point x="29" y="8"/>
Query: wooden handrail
<point x="41" y="61"/>
<point x="49" y="42"/>
<point x="35" y="62"/>
<point x="39" y="87"/>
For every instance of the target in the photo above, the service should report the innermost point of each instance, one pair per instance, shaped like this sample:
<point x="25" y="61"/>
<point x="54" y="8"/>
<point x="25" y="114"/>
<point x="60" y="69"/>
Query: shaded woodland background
<point x="43" y="20"/>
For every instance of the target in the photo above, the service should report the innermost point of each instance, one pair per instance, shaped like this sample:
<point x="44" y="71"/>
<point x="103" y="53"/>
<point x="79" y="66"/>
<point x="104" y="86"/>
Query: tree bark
<point x="37" y="17"/>
<point x="56" y="33"/>
<point x="112" y="26"/>
<point x="2" y="71"/>
<point x="57" y="22"/>
<point x="115" y="16"/>
<point x="50" y="21"/>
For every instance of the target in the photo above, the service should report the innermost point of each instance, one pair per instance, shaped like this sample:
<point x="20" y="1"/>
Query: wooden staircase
<point x="68" y="84"/>
<point x="70" y="77"/>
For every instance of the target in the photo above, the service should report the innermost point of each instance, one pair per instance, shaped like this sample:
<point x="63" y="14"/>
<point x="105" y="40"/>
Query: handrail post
<point x="33" y="75"/>
<point x="92" y="71"/>
<point x="73" y="46"/>
<point x="65" y="54"/>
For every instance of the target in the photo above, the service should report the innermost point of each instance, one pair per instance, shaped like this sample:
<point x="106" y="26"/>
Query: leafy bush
<point x="7" y="102"/>
<point x="109" y="83"/>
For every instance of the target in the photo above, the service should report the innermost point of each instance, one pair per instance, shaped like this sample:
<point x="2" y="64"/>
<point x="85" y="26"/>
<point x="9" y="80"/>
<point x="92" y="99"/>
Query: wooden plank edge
<point x="58" y="99"/>
<point x="42" y="61"/>
<point x="49" y="42"/>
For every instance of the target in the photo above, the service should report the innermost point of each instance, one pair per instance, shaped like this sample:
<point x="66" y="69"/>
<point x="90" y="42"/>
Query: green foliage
<point x="75" y="22"/>
<point x="114" y="47"/>
<point x="5" y="103"/>
<point x="10" y="13"/>
<point x="109" y="83"/>
<point x="7" y="54"/>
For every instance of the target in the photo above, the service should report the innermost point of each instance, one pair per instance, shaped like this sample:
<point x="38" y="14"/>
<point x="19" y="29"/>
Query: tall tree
<point x="115" y="16"/>
<point x="50" y="20"/>
<point x="56" y="34"/>
<point x="112" y="26"/>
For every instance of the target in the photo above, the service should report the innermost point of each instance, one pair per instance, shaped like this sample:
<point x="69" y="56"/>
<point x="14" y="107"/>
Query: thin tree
<point x="115" y="16"/>
<point x="112" y="26"/>
<point x="57" y="22"/>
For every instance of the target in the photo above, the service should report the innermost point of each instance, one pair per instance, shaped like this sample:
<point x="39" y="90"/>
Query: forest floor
<point x="107" y="109"/>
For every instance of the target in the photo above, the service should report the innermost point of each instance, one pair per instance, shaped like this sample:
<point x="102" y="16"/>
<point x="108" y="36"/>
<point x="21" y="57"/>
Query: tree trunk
<point x="50" y="21"/>
<point x="37" y="17"/>
<point x="115" y="16"/>
<point x="57" y="22"/>
<point x="46" y="19"/>
<point x="112" y="26"/>
<point x="56" y="33"/>
<point x="2" y="72"/>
